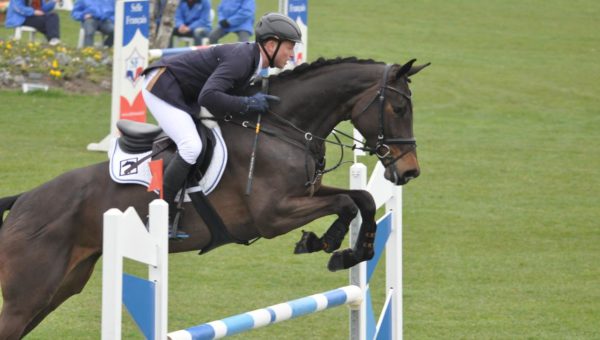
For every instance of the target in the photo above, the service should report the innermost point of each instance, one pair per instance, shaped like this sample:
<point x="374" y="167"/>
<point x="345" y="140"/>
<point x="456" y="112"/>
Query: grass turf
<point x="501" y="239"/>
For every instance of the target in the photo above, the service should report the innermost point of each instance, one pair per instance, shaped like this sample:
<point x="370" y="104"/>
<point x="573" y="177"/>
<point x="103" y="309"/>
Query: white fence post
<point x="125" y="235"/>
<point x="358" y="273"/>
<point x="159" y="274"/>
<point x="112" y="276"/>
<point x="393" y="264"/>
<point x="361" y="323"/>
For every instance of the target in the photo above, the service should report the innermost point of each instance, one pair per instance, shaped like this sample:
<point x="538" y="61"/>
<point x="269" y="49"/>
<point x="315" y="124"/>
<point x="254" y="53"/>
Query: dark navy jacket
<point x="206" y="77"/>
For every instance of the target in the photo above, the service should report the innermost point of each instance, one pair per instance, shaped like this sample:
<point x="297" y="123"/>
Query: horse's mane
<point x="303" y="68"/>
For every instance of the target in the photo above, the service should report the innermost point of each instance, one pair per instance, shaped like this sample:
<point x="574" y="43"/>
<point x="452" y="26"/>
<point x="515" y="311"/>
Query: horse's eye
<point x="399" y="110"/>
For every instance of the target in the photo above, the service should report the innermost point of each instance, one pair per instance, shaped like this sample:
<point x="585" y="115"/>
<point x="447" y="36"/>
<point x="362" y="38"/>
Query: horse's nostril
<point x="411" y="174"/>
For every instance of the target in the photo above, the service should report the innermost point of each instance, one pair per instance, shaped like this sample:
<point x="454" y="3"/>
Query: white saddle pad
<point x="120" y="161"/>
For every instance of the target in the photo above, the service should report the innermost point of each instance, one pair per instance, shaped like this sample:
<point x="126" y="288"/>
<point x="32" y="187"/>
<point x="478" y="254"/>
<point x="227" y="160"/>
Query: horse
<point x="61" y="239"/>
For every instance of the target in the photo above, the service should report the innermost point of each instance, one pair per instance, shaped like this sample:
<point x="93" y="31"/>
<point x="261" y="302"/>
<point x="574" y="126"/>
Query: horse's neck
<point x="317" y="104"/>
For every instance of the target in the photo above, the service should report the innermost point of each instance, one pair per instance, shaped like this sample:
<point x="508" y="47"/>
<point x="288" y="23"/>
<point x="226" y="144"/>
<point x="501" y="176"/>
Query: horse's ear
<point x="408" y="69"/>
<point x="415" y="69"/>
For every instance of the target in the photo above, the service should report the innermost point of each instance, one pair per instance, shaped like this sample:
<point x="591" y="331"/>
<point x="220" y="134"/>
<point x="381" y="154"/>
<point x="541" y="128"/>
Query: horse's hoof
<point x="342" y="260"/>
<point x="309" y="243"/>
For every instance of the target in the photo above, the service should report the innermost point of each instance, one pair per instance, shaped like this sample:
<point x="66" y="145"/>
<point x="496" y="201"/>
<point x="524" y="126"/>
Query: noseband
<point x="382" y="148"/>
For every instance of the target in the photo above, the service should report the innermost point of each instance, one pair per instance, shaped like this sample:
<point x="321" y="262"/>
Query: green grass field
<point x="501" y="237"/>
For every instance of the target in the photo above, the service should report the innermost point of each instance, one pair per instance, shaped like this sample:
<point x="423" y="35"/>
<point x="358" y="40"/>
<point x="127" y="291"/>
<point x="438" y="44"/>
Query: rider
<point x="177" y="87"/>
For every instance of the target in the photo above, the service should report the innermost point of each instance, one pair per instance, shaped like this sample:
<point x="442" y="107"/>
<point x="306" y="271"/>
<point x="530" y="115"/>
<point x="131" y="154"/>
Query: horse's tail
<point x="5" y="204"/>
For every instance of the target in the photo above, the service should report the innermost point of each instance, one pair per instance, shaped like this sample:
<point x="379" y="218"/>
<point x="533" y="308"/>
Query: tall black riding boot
<point x="175" y="176"/>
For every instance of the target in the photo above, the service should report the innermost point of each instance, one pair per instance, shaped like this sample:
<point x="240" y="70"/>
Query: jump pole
<point x="348" y="295"/>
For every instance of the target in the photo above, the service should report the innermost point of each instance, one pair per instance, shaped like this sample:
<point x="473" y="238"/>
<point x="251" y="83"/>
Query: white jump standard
<point x="149" y="309"/>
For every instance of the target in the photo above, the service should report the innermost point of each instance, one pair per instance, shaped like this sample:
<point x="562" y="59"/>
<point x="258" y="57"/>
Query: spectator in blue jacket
<point x="95" y="15"/>
<point x="234" y="16"/>
<point x="192" y="19"/>
<point x="37" y="14"/>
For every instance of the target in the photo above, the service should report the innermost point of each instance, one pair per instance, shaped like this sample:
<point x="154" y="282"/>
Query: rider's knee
<point x="190" y="149"/>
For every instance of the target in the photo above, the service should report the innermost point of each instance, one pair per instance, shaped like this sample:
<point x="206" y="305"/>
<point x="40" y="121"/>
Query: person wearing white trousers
<point x="177" y="88"/>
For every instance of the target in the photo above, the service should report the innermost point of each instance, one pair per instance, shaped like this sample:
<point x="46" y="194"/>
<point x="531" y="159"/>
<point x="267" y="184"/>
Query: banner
<point x="130" y="58"/>
<point x="298" y="11"/>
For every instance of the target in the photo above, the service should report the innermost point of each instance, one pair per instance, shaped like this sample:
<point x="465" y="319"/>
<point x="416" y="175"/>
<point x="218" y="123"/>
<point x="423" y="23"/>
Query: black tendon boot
<point x="174" y="179"/>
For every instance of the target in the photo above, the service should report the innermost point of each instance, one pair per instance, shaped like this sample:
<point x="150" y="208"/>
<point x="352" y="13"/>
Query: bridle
<point x="382" y="147"/>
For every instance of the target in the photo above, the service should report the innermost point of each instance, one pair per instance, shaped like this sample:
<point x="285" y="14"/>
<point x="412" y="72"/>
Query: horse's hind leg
<point x="29" y="296"/>
<point x="27" y="288"/>
<point x="38" y="270"/>
<point x="71" y="285"/>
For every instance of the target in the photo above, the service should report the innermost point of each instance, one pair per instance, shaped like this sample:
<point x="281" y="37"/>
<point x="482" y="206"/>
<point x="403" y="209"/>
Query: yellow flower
<point x="55" y="73"/>
<point x="88" y="51"/>
<point x="54" y="63"/>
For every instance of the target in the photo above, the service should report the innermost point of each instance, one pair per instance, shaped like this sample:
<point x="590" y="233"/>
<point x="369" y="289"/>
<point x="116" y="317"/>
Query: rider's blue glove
<point x="258" y="103"/>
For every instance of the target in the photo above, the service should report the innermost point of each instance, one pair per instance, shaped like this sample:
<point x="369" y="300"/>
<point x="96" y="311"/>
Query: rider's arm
<point x="232" y="72"/>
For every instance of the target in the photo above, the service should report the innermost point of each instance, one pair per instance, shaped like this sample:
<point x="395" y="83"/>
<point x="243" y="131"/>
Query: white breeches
<point x="176" y="123"/>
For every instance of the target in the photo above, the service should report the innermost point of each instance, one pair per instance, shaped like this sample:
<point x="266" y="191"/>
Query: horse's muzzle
<point x="401" y="169"/>
<point x="398" y="177"/>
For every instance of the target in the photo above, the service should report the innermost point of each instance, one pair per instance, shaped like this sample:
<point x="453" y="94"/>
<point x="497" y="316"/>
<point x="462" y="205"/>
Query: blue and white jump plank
<point x="270" y="315"/>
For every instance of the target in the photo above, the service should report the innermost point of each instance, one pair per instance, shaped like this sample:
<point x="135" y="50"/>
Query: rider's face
<point x="285" y="53"/>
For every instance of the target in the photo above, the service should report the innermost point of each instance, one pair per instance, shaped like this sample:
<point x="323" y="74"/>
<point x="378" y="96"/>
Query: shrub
<point x="34" y="60"/>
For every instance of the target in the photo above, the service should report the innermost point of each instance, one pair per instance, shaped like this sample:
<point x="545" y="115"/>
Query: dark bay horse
<point x="52" y="235"/>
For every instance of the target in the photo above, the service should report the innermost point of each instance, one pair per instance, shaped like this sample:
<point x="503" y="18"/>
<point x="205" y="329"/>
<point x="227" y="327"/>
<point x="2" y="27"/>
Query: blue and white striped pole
<point x="262" y="317"/>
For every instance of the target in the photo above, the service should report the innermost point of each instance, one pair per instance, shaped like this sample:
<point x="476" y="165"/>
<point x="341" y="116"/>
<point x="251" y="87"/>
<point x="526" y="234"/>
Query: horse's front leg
<point x="290" y="213"/>
<point x="332" y="239"/>
<point x="363" y="249"/>
<point x="293" y="212"/>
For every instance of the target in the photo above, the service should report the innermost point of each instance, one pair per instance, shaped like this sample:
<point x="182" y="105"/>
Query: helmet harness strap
<point x="270" y="58"/>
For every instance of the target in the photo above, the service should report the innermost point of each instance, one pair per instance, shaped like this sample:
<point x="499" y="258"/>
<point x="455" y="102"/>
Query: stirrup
<point x="175" y="234"/>
<point x="178" y="235"/>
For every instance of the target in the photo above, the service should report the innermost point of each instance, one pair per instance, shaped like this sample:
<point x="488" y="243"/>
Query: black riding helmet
<point x="279" y="27"/>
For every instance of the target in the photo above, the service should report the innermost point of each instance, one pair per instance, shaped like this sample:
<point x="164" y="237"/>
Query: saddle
<point x="139" y="137"/>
